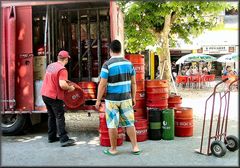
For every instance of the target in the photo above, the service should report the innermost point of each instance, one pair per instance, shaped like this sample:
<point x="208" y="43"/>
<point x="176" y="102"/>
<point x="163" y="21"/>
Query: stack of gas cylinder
<point x="157" y="94"/>
<point x="158" y="114"/>
<point x="103" y="132"/>
<point x="138" y="63"/>
<point x="141" y="123"/>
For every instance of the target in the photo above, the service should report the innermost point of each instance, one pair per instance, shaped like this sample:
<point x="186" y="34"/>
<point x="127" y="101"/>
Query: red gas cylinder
<point x="103" y="132"/>
<point x="74" y="99"/>
<point x="139" y="68"/>
<point x="174" y="101"/>
<point x="102" y="107"/>
<point x="135" y="58"/>
<point x="139" y="108"/>
<point x="183" y="121"/>
<point x="140" y="85"/>
<point x="140" y="76"/>
<point x="141" y="129"/>
<point x="140" y="95"/>
<point x="104" y="141"/>
<point x="138" y="63"/>
<point x="89" y="89"/>
<point x="159" y="103"/>
<point x="157" y="94"/>
<point x="141" y="126"/>
<point x="139" y="113"/>
<point x="157" y="90"/>
<point x="156" y="83"/>
<point x="140" y="104"/>
<point x="102" y="121"/>
<point x="154" y="96"/>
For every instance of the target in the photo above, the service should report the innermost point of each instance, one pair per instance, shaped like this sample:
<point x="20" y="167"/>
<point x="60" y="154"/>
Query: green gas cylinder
<point x="168" y="124"/>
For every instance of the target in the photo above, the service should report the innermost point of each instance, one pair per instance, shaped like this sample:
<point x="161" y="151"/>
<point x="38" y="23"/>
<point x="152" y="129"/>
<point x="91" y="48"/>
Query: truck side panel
<point x="3" y="59"/>
<point x="116" y="23"/>
<point x="11" y="55"/>
<point x="24" y="65"/>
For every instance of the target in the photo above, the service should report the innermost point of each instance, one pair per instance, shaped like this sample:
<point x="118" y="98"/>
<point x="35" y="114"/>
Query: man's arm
<point x="63" y="76"/>
<point x="65" y="86"/>
<point x="102" y="84"/>
<point x="134" y="88"/>
<point x="101" y="89"/>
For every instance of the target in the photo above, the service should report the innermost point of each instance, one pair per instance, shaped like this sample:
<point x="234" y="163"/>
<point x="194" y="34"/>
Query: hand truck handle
<point x="215" y="87"/>
<point x="232" y="83"/>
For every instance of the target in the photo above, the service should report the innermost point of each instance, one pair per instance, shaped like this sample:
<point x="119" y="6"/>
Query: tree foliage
<point x="144" y="21"/>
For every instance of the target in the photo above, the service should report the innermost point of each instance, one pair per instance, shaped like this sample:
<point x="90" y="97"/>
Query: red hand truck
<point x="221" y="141"/>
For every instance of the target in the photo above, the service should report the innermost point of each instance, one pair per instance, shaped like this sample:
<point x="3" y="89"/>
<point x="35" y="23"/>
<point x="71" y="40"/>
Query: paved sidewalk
<point x="32" y="149"/>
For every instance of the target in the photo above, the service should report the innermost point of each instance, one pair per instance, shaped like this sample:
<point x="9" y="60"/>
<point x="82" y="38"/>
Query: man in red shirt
<point x="53" y="88"/>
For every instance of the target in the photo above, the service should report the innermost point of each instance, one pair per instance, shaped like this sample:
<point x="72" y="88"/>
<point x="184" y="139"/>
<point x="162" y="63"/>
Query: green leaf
<point x="144" y="20"/>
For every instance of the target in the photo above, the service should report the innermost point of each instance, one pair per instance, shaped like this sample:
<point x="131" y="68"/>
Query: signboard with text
<point x="215" y="49"/>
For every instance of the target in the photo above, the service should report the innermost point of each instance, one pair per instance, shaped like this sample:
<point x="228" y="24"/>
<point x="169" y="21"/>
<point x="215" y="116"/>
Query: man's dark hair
<point x="115" y="46"/>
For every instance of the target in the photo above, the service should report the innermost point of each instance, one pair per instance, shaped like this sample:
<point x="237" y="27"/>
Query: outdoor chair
<point x="209" y="79"/>
<point x="195" y="80"/>
<point x="182" y="81"/>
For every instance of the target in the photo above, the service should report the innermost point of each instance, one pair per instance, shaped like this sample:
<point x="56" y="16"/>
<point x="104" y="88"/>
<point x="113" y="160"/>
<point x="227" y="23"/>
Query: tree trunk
<point x="163" y="52"/>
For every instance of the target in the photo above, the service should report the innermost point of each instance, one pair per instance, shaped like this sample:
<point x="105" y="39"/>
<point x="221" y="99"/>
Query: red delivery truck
<point x="33" y="32"/>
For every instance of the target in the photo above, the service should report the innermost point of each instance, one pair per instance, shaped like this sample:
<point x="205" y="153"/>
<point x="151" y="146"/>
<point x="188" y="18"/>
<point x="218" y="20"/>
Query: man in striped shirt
<point x="117" y="77"/>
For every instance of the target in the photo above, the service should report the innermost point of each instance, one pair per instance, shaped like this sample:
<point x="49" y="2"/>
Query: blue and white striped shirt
<point x="118" y="71"/>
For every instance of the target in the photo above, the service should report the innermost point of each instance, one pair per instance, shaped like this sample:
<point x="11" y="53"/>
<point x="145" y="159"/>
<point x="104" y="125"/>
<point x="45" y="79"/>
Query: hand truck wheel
<point x="218" y="148"/>
<point x="232" y="143"/>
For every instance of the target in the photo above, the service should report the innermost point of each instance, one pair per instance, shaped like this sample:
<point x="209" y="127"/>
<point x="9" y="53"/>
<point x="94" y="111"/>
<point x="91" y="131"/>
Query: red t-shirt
<point x="63" y="74"/>
<point x="51" y="88"/>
